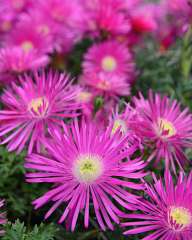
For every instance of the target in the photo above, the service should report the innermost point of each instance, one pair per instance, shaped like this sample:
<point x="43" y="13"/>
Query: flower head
<point x="83" y="165"/>
<point x="121" y="121"/>
<point x="28" y="38"/>
<point x="167" y="212"/>
<point x="106" y="18"/>
<point x="164" y="127"/>
<point x="106" y="84"/>
<point x="40" y="101"/>
<point x="109" y="57"/>
<point x="15" y="60"/>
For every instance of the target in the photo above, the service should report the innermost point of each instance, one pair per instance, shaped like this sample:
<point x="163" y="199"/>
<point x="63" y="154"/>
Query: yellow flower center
<point x="27" y="46"/>
<point x="84" y="96"/>
<point x="166" y="128"/>
<point x="87" y="168"/>
<point x="180" y="216"/>
<point x="109" y="63"/>
<point x="118" y="123"/>
<point x="38" y="106"/>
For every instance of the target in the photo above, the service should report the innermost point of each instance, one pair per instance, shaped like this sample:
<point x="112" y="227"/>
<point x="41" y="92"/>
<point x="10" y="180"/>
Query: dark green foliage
<point x="18" y="231"/>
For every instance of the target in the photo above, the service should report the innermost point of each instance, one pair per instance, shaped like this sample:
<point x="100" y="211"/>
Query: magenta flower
<point x="83" y="165"/>
<point x="106" y="17"/>
<point x="28" y="39"/>
<point x="2" y="217"/>
<point x="33" y="105"/>
<point x="110" y="57"/>
<point x="15" y="60"/>
<point x="16" y="5"/>
<point x="144" y="18"/>
<point x="121" y="122"/>
<point x="167" y="211"/>
<point x="106" y="84"/>
<point x="164" y="127"/>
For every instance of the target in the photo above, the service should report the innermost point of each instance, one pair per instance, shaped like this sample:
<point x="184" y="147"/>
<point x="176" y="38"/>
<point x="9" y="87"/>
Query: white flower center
<point x="87" y="168"/>
<point x="38" y="106"/>
<point x="109" y="63"/>
<point x="179" y="217"/>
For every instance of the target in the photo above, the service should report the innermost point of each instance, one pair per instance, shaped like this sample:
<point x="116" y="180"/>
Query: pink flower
<point x="68" y="18"/>
<point x="2" y="217"/>
<point x="109" y="68"/>
<point x="28" y="38"/>
<point x="110" y="57"/>
<point x="83" y="166"/>
<point x="40" y="101"/>
<point x="6" y="20"/>
<point x="15" y="60"/>
<point x="164" y="127"/>
<point x="144" y="18"/>
<point x="121" y="122"/>
<point x="166" y="213"/>
<point x="16" y="5"/>
<point x="107" y="84"/>
<point x="106" y="17"/>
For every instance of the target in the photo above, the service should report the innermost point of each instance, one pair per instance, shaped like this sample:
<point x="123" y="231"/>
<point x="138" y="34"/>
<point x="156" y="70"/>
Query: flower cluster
<point x="87" y="135"/>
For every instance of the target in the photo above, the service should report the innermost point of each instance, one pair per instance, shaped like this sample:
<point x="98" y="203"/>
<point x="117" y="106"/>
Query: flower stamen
<point x="109" y="63"/>
<point x="87" y="168"/>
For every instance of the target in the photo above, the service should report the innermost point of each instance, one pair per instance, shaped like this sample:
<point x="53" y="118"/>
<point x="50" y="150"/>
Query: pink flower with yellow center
<point x="110" y="57"/>
<point x="82" y="163"/>
<point x="15" y="60"/>
<point x="35" y="105"/>
<point x="166" y="213"/>
<point x="28" y="38"/>
<point x="164" y="127"/>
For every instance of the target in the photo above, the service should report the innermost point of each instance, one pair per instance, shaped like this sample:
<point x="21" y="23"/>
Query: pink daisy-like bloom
<point x="106" y="84"/>
<point x="2" y="217"/>
<point x="164" y="127"/>
<point x="144" y="18"/>
<point x="62" y="13"/>
<point x="83" y="165"/>
<point x="6" y="20"/>
<point x="167" y="211"/>
<point x="40" y="101"/>
<point x="106" y="17"/>
<point x="28" y="38"/>
<point x="121" y="122"/>
<point x="110" y="57"/>
<point x="15" y="60"/>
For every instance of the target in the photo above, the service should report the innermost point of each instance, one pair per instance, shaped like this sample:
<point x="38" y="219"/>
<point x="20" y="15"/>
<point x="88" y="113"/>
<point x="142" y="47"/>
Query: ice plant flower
<point x="109" y="57"/>
<point x="164" y="128"/>
<point x="106" y="18"/>
<point x="2" y="217"/>
<point x="28" y="38"/>
<point x="40" y="101"/>
<point x="83" y="165"/>
<point x="167" y="211"/>
<point x="14" y="60"/>
<point x="121" y="122"/>
<point x="106" y="84"/>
